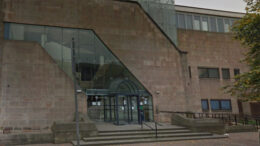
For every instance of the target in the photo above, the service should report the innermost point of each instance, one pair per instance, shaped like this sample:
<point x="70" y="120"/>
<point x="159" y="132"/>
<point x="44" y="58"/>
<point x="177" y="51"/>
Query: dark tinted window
<point x="213" y="25"/>
<point x="220" y="25"/>
<point x="181" y="20"/>
<point x="220" y="105"/>
<point x="225" y="105"/>
<point x="203" y="73"/>
<point x="208" y="72"/>
<point x="189" y="21"/>
<point x="236" y="72"/>
<point x="215" y="105"/>
<point x="204" y="105"/>
<point x="213" y="73"/>
<point x="225" y="74"/>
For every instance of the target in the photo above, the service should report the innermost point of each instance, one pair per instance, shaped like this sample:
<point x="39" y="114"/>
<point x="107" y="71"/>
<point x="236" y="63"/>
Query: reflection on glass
<point x="226" y="25"/>
<point x="196" y="23"/>
<point x="205" y="24"/>
<point x="220" y="25"/>
<point x="96" y="67"/>
<point x="213" y="25"/>
<point x="189" y="21"/>
<point x="181" y="21"/>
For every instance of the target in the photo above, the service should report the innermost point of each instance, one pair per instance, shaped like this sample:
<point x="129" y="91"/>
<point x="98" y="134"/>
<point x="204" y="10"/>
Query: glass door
<point x="126" y="110"/>
<point x="133" y="108"/>
<point x="122" y="105"/>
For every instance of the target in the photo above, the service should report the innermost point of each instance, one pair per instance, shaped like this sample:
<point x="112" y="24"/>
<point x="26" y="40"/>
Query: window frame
<point x="236" y="70"/>
<point x="205" y="110"/>
<point x="202" y="28"/>
<point x="222" y="71"/>
<point x="193" y="22"/>
<point x="184" y="19"/>
<point x="208" y="74"/>
<point x="222" y="24"/>
<point x="220" y="105"/>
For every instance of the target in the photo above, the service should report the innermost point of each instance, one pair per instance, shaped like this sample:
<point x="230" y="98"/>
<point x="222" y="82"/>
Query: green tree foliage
<point x="247" y="30"/>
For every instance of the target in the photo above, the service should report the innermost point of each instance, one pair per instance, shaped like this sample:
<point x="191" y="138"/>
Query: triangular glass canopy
<point x="97" y="67"/>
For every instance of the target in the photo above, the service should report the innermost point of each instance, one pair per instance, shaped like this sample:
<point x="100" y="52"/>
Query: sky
<point x="227" y="5"/>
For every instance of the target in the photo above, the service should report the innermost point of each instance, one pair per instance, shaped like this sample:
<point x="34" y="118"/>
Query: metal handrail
<point x="228" y="118"/>
<point x="155" y="129"/>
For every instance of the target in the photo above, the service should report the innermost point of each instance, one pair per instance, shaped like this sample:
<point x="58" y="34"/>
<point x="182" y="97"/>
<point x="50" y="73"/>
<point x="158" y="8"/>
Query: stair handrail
<point x="153" y="129"/>
<point x="228" y="118"/>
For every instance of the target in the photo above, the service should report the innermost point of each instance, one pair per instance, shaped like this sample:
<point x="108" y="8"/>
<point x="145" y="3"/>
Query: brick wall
<point x="126" y="30"/>
<point x="35" y="91"/>
<point x="208" y="49"/>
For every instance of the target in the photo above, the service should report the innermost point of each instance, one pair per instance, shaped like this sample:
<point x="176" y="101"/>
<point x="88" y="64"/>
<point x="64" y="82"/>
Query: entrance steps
<point x="144" y="136"/>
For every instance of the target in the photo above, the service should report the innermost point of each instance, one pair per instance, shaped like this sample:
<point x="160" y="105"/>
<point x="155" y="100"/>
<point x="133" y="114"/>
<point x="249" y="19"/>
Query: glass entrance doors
<point x="126" y="110"/>
<point x="120" y="109"/>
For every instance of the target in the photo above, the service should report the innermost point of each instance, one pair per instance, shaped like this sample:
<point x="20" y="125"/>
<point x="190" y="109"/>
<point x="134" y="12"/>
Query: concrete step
<point x="124" y="137"/>
<point x="146" y="140"/>
<point x="138" y="132"/>
<point x="147" y="129"/>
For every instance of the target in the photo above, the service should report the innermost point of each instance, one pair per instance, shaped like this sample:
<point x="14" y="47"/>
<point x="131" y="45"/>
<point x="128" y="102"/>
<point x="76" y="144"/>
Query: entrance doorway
<point x="127" y="109"/>
<point x="120" y="109"/>
<point x="123" y="103"/>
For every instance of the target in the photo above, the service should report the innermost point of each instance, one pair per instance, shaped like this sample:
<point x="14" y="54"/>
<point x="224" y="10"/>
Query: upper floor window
<point x="225" y="73"/>
<point x="226" y="25"/>
<point x="196" y="23"/>
<point x="236" y="72"/>
<point x="181" y="20"/>
<point x="208" y="72"/>
<point x="213" y="25"/>
<point x="189" y="21"/>
<point x="204" y="22"/>
<point x="205" y="26"/>
<point x="220" y="25"/>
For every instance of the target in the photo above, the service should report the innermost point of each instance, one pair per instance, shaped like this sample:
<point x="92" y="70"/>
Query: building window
<point x="225" y="73"/>
<point x="220" y="25"/>
<point x="196" y="23"/>
<point x="205" y="26"/>
<point x="220" y="105"/>
<point x="213" y="25"/>
<point x="190" y="71"/>
<point x="181" y="21"/>
<point x="204" y="105"/>
<point x="189" y="21"/>
<point x="226" y="25"/>
<point x="204" y="23"/>
<point x="208" y="72"/>
<point x="236" y="72"/>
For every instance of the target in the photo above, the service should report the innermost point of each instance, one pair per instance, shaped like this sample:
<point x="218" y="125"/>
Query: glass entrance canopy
<point x="114" y="94"/>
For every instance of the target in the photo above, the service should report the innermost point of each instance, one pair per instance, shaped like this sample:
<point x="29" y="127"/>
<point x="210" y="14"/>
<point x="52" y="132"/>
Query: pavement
<point x="235" y="139"/>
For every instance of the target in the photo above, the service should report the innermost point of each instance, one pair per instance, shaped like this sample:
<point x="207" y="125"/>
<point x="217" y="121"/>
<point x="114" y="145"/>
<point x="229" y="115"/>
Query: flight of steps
<point x="144" y="136"/>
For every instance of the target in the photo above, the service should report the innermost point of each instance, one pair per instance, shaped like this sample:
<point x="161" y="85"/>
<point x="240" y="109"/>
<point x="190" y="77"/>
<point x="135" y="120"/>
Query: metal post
<point x="75" y="90"/>
<point x="236" y="119"/>
<point x="156" y="135"/>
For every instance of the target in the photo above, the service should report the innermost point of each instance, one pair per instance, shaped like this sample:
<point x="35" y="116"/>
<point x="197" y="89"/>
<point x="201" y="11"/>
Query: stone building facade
<point x="35" y="91"/>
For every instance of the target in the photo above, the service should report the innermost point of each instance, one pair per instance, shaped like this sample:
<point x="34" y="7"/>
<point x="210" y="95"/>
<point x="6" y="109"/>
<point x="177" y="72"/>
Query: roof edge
<point x="181" y="8"/>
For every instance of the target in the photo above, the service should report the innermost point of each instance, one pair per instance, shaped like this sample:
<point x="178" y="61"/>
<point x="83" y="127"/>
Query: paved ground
<point x="235" y="139"/>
